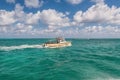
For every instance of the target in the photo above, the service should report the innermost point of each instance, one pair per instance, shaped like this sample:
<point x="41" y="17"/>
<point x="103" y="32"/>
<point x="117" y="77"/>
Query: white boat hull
<point x="57" y="45"/>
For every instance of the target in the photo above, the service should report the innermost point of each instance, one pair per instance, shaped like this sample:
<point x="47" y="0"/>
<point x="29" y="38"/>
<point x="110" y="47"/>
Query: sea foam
<point x="9" y="48"/>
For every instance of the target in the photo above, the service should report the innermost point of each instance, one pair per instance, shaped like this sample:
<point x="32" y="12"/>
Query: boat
<point x="59" y="42"/>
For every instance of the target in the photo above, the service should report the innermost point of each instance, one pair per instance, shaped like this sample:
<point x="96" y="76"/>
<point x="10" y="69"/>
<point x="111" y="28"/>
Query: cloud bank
<point x="99" y="20"/>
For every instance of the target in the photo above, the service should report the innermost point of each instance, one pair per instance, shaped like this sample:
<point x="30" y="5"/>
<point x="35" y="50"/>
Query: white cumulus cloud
<point x="10" y="1"/>
<point x="58" y="1"/>
<point x="99" y="13"/>
<point x="98" y="1"/>
<point x="32" y="18"/>
<point x="19" y="13"/>
<point x="22" y="28"/>
<point x="74" y="1"/>
<point x="101" y="31"/>
<point x="6" y="17"/>
<point x="33" y="3"/>
<point x="54" y="19"/>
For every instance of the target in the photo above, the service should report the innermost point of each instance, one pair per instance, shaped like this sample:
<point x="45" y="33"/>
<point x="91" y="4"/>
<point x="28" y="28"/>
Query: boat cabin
<point x="58" y="40"/>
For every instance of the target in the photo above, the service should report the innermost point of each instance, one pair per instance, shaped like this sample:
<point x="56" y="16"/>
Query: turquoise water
<point x="94" y="59"/>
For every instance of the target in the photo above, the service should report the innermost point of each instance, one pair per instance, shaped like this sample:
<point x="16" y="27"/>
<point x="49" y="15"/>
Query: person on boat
<point x="59" y="39"/>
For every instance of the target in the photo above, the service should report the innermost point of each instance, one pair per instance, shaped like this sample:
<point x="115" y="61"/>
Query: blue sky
<point x="51" y="18"/>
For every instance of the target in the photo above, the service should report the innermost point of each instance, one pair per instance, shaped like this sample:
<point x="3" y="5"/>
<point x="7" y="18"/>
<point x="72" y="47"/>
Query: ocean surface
<point x="86" y="59"/>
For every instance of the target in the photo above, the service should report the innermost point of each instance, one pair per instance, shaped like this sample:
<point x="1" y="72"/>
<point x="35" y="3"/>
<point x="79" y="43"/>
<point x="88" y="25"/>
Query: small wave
<point x="108" y="79"/>
<point x="9" y="48"/>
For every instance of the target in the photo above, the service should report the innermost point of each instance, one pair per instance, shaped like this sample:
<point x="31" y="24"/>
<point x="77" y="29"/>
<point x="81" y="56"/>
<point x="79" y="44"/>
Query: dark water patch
<point x="106" y="68"/>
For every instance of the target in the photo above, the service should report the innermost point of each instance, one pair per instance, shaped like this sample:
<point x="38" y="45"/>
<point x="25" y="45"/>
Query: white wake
<point x="9" y="48"/>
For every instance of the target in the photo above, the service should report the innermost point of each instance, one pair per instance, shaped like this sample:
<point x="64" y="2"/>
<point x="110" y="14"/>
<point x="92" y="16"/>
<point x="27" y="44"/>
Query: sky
<point x="67" y="18"/>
